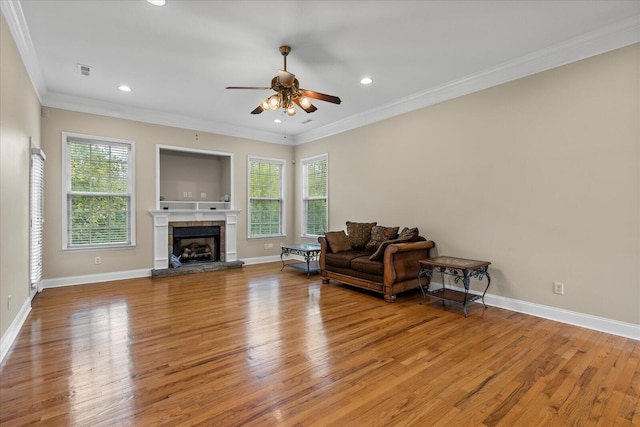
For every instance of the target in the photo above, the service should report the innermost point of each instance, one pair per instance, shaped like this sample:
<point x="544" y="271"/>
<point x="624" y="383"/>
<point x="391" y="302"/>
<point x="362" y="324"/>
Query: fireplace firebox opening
<point x="193" y="244"/>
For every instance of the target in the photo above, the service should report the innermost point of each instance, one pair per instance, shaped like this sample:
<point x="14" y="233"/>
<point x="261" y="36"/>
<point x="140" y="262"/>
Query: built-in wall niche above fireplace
<point x="194" y="185"/>
<point x="194" y="179"/>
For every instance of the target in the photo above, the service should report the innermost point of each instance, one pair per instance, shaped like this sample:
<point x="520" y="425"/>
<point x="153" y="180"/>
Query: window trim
<point x="304" y="162"/>
<point x="66" y="182"/>
<point x="283" y="202"/>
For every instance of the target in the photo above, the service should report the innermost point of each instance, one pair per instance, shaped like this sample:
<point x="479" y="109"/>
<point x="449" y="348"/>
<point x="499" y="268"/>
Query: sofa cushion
<point x="378" y="278"/>
<point x="359" y="233"/>
<point x="337" y="241"/>
<point x="379" y="234"/>
<point x="343" y="259"/>
<point x="365" y="265"/>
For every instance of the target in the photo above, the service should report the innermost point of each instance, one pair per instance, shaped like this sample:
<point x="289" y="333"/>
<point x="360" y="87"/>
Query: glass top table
<point x="310" y="252"/>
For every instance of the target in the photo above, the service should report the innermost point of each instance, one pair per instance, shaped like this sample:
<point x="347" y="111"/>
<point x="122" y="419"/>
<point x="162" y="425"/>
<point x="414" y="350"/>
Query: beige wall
<point x="540" y="176"/>
<point x="193" y="173"/>
<point x="19" y="119"/>
<point x="60" y="264"/>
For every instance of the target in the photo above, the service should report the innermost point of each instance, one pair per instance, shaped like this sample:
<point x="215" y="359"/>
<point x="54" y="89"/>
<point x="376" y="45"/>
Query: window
<point x="314" y="197"/>
<point x="99" y="207"/>
<point x="37" y="211"/>
<point x="266" y="201"/>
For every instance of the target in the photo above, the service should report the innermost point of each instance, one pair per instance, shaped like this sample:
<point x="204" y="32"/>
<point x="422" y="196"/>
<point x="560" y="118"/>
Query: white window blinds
<point x="37" y="215"/>
<point x="99" y="206"/>
<point x="315" y="195"/>
<point x="266" y="213"/>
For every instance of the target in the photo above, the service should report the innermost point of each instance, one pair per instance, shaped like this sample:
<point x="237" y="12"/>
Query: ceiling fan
<point x="288" y="92"/>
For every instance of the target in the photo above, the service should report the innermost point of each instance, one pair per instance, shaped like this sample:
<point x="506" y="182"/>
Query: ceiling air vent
<point x="84" y="70"/>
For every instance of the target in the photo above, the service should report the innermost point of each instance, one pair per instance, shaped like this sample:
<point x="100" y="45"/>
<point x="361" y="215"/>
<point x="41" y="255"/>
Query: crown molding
<point x="127" y="112"/>
<point x="14" y="16"/>
<point x="615" y="36"/>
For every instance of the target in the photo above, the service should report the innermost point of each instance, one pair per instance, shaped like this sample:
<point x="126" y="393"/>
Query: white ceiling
<point x="180" y="57"/>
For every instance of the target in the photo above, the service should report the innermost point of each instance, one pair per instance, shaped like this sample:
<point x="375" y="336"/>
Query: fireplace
<point x="164" y="220"/>
<point x="197" y="241"/>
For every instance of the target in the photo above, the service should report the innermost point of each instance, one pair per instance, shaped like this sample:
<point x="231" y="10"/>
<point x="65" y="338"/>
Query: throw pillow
<point x="359" y="233"/>
<point x="379" y="234"/>
<point x="406" y="235"/>
<point x="411" y="234"/>
<point x="337" y="241"/>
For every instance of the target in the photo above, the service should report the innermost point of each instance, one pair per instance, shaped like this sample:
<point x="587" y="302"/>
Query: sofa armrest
<point x="401" y="260"/>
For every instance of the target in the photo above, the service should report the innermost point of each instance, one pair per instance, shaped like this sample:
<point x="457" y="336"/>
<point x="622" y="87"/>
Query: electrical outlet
<point x="266" y="246"/>
<point x="558" y="288"/>
<point x="184" y="194"/>
<point x="9" y="298"/>
<point x="97" y="260"/>
<point x="203" y="195"/>
<point x="189" y="194"/>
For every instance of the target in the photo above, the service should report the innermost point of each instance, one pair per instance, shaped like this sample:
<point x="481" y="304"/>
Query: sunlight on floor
<point x="101" y="365"/>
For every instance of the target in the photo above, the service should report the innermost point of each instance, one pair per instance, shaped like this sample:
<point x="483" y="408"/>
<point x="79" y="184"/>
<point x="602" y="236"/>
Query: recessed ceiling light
<point x="124" y="88"/>
<point x="158" y="2"/>
<point x="277" y="121"/>
<point x="366" y="81"/>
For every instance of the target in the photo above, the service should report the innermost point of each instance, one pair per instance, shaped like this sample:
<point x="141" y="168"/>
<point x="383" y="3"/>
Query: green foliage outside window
<point x="98" y="196"/>
<point x="315" y="197"/>
<point x="316" y="217"/>
<point x="265" y="198"/>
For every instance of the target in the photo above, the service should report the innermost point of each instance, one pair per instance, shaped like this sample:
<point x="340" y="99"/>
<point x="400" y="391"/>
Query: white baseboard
<point x="602" y="324"/>
<point x="95" y="278"/>
<point x="261" y="259"/>
<point x="132" y="274"/>
<point x="12" y="332"/>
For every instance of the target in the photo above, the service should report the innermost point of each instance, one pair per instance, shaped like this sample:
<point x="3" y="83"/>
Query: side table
<point x="460" y="268"/>
<point x="309" y="251"/>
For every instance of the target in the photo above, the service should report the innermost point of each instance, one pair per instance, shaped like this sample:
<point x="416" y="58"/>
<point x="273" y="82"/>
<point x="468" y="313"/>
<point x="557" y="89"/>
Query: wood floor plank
<point x="256" y="346"/>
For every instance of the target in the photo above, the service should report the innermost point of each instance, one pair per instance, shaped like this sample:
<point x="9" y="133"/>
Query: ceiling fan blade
<point x="310" y="109"/>
<point x="248" y="87"/>
<point x="257" y="110"/>
<point x="321" y="96"/>
<point x="286" y="78"/>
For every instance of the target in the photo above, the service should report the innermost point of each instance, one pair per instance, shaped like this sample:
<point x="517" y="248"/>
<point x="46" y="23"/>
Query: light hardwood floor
<point x="256" y="346"/>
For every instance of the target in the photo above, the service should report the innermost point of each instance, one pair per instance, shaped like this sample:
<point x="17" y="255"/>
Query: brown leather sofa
<point x="395" y="272"/>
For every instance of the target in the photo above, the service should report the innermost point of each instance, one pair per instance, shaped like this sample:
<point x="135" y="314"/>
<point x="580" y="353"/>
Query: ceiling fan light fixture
<point x="304" y="101"/>
<point x="288" y="92"/>
<point x="157" y="2"/>
<point x="366" y="81"/>
<point x="274" y="102"/>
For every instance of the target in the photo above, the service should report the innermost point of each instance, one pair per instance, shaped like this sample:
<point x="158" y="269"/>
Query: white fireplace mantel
<point x="162" y="218"/>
